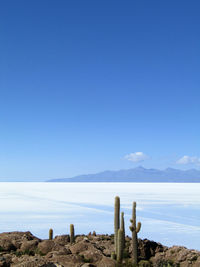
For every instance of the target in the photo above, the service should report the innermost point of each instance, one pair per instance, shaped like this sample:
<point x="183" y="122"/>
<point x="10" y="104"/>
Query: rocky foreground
<point x="22" y="249"/>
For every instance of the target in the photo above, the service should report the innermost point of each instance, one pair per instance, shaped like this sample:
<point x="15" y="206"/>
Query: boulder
<point x="30" y="245"/>
<point x="28" y="261"/>
<point x="62" y="240"/>
<point x="46" y="246"/>
<point x="67" y="260"/>
<point x="147" y="249"/>
<point x="79" y="247"/>
<point x="177" y="256"/>
<point x="88" y="251"/>
<point x="12" y="241"/>
<point x="106" y="262"/>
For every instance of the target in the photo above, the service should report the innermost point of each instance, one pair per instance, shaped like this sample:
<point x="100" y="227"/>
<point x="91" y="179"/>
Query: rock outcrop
<point x="22" y="249"/>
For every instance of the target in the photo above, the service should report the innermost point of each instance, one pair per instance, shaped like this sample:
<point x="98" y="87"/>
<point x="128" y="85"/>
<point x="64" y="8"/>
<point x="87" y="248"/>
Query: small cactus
<point x="50" y="234"/>
<point x="116" y="221"/>
<point x="72" y="238"/>
<point x="135" y="230"/>
<point x="120" y="246"/>
<point x="94" y="233"/>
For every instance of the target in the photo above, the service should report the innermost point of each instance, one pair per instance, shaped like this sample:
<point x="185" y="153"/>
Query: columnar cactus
<point x="72" y="238"/>
<point x="120" y="246"/>
<point x="123" y="228"/>
<point x="50" y="234"/>
<point x="135" y="230"/>
<point x="116" y="221"/>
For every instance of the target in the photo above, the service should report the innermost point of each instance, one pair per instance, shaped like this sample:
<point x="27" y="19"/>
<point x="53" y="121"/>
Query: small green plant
<point x="18" y="253"/>
<point x="25" y="252"/>
<point x="144" y="263"/>
<point x="169" y="263"/>
<point x="127" y="263"/>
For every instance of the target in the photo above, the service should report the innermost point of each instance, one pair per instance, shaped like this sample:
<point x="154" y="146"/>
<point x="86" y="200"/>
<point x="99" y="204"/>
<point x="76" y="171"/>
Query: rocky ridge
<point x="22" y="249"/>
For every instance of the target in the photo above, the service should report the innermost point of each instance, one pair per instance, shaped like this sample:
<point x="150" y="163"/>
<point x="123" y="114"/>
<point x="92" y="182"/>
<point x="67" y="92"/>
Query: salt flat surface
<point x="170" y="213"/>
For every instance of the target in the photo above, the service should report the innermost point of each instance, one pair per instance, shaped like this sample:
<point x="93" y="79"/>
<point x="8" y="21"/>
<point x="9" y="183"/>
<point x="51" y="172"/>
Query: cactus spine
<point x="72" y="238"/>
<point x="120" y="245"/>
<point x="135" y="230"/>
<point x="50" y="234"/>
<point x="116" y="222"/>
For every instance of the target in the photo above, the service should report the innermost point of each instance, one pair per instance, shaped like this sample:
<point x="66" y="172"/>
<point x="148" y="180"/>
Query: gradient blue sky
<point x="85" y="83"/>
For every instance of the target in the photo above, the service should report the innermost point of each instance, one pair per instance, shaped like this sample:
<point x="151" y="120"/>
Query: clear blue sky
<point x="85" y="83"/>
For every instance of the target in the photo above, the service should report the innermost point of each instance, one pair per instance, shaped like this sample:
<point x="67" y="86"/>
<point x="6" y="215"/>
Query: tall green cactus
<point x="116" y="221"/>
<point x="72" y="238"/>
<point x="120" y="246"/>
<point x="123" y="228"/>
<point x="50" y="234"/>
<point x="135" y="230"/>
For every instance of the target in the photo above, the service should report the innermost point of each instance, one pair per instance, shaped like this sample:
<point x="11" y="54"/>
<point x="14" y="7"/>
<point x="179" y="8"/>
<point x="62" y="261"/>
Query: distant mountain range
<point x="139" y="174"/>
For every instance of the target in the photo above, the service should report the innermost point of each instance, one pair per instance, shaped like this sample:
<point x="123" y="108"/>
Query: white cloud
<point x="188" y="160"/>
<point x="136" y="156"/>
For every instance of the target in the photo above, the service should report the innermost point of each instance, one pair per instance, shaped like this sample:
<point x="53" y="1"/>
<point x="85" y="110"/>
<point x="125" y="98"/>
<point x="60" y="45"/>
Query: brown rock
<point x="92" y="255"/>
<point x="196" y="263"/>
<point x="88" y="251"/>
<point x="62" y="251"/>
<point x="107" y="262"/>
<point x="68" y="260"/>
<point x="79" y="247"/>
<point x="30" y="245"/>
<point x="13" y="240"/>
<point x="147" y="249"/>
<point x="62" y="239"/>
<point x="178" y="256"/>
<point x="5" y="260"/>
<point x="29" y="261"/>
<point x="52" y="265"/>
<point x="46" y="246"/>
